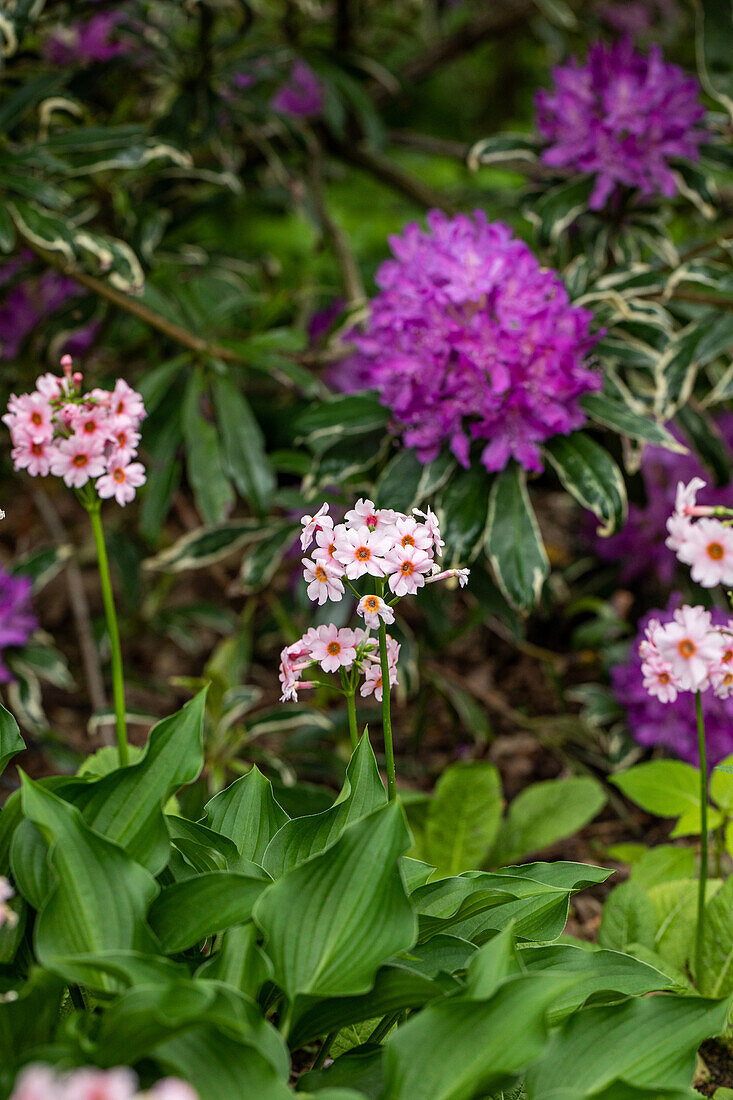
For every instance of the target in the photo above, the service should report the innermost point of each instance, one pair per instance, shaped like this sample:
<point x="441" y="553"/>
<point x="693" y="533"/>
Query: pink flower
<point x="30" y="415"/>
<point x="334" y="648"/>
<point x="326" y="547"/>
<point x="406" y="566"/>
<point x="707" y="546"/>
<point x="7" y="915"/>
<point x="372" y="609"/>
<point x="323" y="581"/>
<point x="461" y="574"/>
<point x="365" y="514"/>
<point x="172" y="1088"/>
<point x="49" y="386"/>
<point x="77" y="459"/>
<point x="408" y="532"/>
<point x="121" y="481"/>
<point x="690" y="647"/>
<point x="33" y="457"/>
<point x="124" y="439"/>
<point x="658" y="679"/>
<point x="313" y="524"/>
<point x="124" y="401"/>
<point x="36" y="1082"/>
<point x="99" y="1084"/>
<point x="89" y="420"/>
<point x="433" y="528"/>
<point x="362" y="551"/>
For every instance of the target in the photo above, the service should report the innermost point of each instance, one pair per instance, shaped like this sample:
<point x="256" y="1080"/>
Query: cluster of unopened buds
<point x="41" y="1082"/>
<point x="397" y="553"/>
<point x="82" y="437"/>
<point x="691" y="653"/>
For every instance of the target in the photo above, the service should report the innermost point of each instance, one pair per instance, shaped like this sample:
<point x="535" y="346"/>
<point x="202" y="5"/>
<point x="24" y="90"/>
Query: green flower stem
<point x="386" y="714"/>
<point x="353" y="728"/>
<point x="702" y="884"/>
<point x="118" y="682"/>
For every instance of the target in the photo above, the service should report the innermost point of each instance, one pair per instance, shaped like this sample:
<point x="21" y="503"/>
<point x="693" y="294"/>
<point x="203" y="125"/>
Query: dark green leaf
<point x="248" y="813"/>
<point x="204" y="460"/>
<point x="464" y="506"/>
<point x="513" y="540"/>
<point x="187" y="912"/>
<point x="244" y="447"/>
<point x="591" y="476"/>
<point x="614" y="414"/>
<point x="10" y="740"/>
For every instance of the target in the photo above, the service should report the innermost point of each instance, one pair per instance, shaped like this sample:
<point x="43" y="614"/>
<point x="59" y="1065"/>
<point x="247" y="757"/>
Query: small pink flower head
<point x="461" y="575"/>
<point x="372" y="609"/>
<point x="334" y="648"/>
<point x="7" y="915"/>
<point x="36" y="1082"/>
<point x="125" y="401"/>
<point x="326" y="538"/>
<point x="690" y="647"/>
<point x="123" y="438"/>
<point x="77" y="460"/>
<point x="33" y="457"/>
<point x="406" y="567"/>
<point x="433" y="528"/>
<point x="323" y="581"/>
<point x="99" y="1084"/>
<point x="172" y="1088"/>
<point x="647" y="646"/>
<point x="362" y="551"/>
<point x="408" y="532"/>
<point x="686" y="496"/>
<point x="708" y="548"/>
<point x="49" y="386"/>
<point x="30" y="416"/>
<point x="658" y="679"/>
<point x="121" y="482"/>
<point x="321" y="521"/>
<point x="89" y="420"/>
<point x="366" y="514"/>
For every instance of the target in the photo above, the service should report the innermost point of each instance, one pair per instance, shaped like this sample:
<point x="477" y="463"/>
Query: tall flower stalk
<point x="703" y="878"/>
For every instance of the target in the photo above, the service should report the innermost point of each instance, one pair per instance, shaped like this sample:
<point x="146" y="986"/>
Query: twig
<point x="382" y="168"/>
<point x="80" y="611"/>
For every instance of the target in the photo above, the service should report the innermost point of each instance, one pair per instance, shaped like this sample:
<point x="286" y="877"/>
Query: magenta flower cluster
<point x="671" y="722"/>
<point x="470" y="339"/>
<point x="17" y="621"/>
<point x="41" y="1082"/>
<point x="88" y="41"/>
<point x="397" y="551"/>
<point x="302" y="94"/>
<point x="58" y="429"/>
<point x="622" y="117"/>
<point x="640" y="547"/>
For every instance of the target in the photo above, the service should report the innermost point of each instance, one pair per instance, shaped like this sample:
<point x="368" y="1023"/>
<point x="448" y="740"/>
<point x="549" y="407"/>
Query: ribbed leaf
<point x="463" y="817"/>
<point x="332" y="921"/>
<point x="248" y="813"/>
<point x="622" y="418"/>
<point x="187" y="912"/>
<point x="201" y="548"/>
<point x="513" y="540"/>
<point x="244" y="446"/>
<point x="544" y="813"/>
<point x="591" y="476"/>
<point x="204" y="461"/>
<point x="10" y="740"/>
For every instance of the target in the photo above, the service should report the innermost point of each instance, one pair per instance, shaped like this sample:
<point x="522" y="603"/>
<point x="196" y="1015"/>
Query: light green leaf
<point x="590" y="475"/>
<point x="721" y="785"/>
<point x="239" y="962"/>
<point x="668" y="788"/>
<point x="10" y="740"/>
<point x="248" y="813"/>
<point x="187" y="912"/>
<point x="463" y="817"/>
<point x="544" y="813"/>
<point x="303" y="837"/>
<point x="716" y="979"/>
<point x="513" y="524"/>
<point x="675" y="905"/>
<point x="330" y="922"/>
<point x="665" y="863"/>
<point x="628" y="917"/>
<point x="492" y="964"/>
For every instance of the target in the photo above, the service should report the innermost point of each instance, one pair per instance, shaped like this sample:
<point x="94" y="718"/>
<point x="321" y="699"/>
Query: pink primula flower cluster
<point x="57" y="429"/>
<point x="689" y="653"/>
<point x="397" y="553"/>
<point x="705" y="544"/>
<point x="41" y="1082"/>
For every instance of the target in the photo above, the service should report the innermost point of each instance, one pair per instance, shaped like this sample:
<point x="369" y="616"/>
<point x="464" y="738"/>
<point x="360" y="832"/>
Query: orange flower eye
<point x="333" y="648"/>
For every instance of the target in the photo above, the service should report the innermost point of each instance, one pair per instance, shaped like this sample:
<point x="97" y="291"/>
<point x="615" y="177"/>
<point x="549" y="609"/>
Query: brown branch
<point x="391" y="174"/>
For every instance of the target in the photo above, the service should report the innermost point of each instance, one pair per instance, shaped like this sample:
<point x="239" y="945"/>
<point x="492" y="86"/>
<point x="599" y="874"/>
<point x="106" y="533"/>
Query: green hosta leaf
<point x="100" y="896"/>
<point x="512" y="525"/>
<point x="187" y="912"/>
<point x="204" y="464"/>
<point x="12" y="930"/>
<point x="590" y="475"/>
<point x="461" y="1049"/>
<point x="582" y="1061"/>
<point x="243" y="443"/>
<point x="628" y="917"/>
<point x="127" y="805"/>
<point x="625" y="420"/>
<point x="219" y="1065"/>
<point x="608" y="972"/>
<point x="239" y="962"/>
<point x="10" y="740"/>
<point x="207" y="545"/>
<point x="340" y="417"/>
<point x="394" y="989"/>
<point x="675" y="904"/>
<point x="202" y="848"/>
<point x="303" y="837"/>
<point x="665" y="863"/>
<point x="329" y="923"/>
<point x="464" y="508"/>
<point x="361" y="1068"/>
<point x="30" y="1019"/>
<point x="714" y="48"/>
<point x="721" y="785"/>
<point x="463" y="818"/>
<point x="248" y="813"/>
<point x="668" y="788"/>
<point x="29" y="863"/>
<point x="545" y="813"/>
<point x="716" y="979"/>
<point x="492" y="964"/>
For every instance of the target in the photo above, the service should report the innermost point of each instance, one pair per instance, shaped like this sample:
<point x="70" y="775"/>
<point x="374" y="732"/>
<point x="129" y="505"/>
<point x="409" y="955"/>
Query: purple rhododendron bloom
<point x="470" y="339"/>
<point x="302" y="94"/>
<point x="672" y="725"/>
<point x="635" y="17"/>
<point x="639" y="548"/>
<point x="28" y="303"/>
<point x="622" y="116"/>
<point x="17" y="621"/>
<point x="86" y="42"/>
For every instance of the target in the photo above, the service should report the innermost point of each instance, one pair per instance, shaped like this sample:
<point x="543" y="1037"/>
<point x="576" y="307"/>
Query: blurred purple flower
<point x="672" y="725"/>
<point x="86" y="42"/>
<point x="27" y="303"/>
<point x="635" y="17"/>
<point x="302" y="94"/>
<point x="322" y="320"/>
<point x="621" y="117"/>
<point x="639" y="548"/>
<point x="469" y="338"/>
<point x="17" y="621"/>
